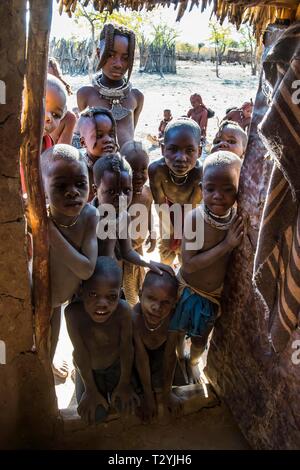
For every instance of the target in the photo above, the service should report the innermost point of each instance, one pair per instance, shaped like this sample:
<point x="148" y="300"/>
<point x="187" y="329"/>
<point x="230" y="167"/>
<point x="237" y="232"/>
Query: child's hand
<point x="159" y="267"/>
<point x="151" y="240"/>
<point x="235" y="233"/>
<point x="124" y="399"/>
<point x="88" y="405"/>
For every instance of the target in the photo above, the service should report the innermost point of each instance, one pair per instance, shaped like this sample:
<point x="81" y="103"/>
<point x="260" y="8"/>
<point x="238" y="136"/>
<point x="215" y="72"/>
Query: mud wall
<point x="260" y="387"/>
<point x="27" y="400"/>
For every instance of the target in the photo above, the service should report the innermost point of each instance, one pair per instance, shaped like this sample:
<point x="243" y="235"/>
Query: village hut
<point x="253" y="362"/>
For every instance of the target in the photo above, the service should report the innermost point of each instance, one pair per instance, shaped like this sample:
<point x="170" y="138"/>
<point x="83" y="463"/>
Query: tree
<point x="220" y="37"/>
<point x="200" y="45"/>
<point x="249" y="44"/>
<point x="163" y="39"/>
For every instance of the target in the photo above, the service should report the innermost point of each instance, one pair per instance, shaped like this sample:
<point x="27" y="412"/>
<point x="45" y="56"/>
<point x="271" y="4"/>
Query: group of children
<point x="128" y="327"/>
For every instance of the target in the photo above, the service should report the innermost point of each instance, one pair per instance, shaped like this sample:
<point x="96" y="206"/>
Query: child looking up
<point x="72" y="226"/>
<point x="100" y="328"/>
<point x="198" y="112"/>
<point x="133" y="276"/>
<point x="110" y="89"/>
<point x="113" y="189"/>
<point x="230" y="137"/>
<point x="151" y="318"/>
<point x="203" y="270"/>
<point x="63" y="134"/>
<point x="174" y="178"/>
<point x="55" y="108"/>
<point x="97" y="129"/>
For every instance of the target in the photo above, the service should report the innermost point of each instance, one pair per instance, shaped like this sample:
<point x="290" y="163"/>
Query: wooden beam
<point x="32" y="126"/>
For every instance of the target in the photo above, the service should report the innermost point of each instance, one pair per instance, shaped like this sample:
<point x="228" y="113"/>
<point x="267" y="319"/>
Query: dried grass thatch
<point x="259" y="14"/>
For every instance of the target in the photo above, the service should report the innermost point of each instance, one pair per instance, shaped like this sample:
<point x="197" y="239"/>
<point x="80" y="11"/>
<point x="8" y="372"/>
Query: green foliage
<point x="133" y="20"/>
<point x="220" y="36"/>
<point x="248" y="42"/>
<point x="185" y="48"/>
<point x="163" y="35"/>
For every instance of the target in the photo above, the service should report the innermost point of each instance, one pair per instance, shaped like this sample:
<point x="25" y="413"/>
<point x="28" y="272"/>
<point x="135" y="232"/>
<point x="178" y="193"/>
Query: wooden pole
<point x="32" y="127"/>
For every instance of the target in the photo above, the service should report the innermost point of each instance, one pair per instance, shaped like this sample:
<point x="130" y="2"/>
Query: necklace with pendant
<point x="172" y="176"/>
<point x="115" y="96"/>
<point x="61" y="225"/>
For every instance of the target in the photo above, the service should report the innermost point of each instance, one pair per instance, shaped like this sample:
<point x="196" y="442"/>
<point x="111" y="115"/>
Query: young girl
<point x="137" y="157"/>
<point x="63" y="134"/>
<point x="97" y="130"/>
<point x="113" y="189"/>
<point x="110" y="89"/>
<point x="230" y="137"/>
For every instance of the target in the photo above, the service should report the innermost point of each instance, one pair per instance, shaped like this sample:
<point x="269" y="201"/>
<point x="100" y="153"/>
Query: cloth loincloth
<point x="196" y="310"/>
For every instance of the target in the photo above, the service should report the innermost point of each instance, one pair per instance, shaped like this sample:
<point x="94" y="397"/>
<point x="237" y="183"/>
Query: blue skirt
<point x="194" y="314"/>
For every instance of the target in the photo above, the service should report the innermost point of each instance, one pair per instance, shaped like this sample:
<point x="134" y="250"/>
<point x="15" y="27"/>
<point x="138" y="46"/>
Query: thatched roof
<point x="259" y="14"/>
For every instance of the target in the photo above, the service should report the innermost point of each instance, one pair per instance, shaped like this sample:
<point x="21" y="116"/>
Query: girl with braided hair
<point x="113" y="190"/>
<point x="110" y="89"/>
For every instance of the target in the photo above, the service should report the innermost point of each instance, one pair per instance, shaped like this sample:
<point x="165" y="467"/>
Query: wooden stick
<point x="33" y="126"/>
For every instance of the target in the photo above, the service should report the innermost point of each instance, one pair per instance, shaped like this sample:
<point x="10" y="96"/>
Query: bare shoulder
<point x="135" y="314"/>
<point x="157" y="167"/>
<point x="198" y="167"/>
<point x="89" y="213"/>
<point x="74" y="312"/>
<point x="83" y="95"/>
<point x="147" y="194"/>
<point x="124" y="312"/>
<point x="138" y="95"/>
<point x="85" y="90"/>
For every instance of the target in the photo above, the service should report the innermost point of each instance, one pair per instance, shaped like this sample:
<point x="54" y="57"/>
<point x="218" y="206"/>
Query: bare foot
<point x="194" y="373"/>
<point x="60" y="371"/>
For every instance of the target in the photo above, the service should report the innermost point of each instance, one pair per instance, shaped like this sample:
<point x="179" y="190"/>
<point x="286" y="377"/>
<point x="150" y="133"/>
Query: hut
<point x="260" y="383"/>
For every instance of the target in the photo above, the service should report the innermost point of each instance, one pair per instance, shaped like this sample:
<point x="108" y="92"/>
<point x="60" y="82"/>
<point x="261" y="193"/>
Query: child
<point x="175" y="178"/>
<point x="241" y="115"/>
<point x="113" y="189"/>
<point x="55" y="109"/>
<point x="163" y="124"/>
<point x="72" y="226"/>
<point x="203" y="270"/>
<point x="97" y="129"/>
<point x="230" y="137"/>
<point x="64" y="132"/>
<point x="100" y="328"/>
<point x="151" y="318"/>
<point x="198" y="113"/>
<point x="110" y="89"/>
<point x="133" y="276"/>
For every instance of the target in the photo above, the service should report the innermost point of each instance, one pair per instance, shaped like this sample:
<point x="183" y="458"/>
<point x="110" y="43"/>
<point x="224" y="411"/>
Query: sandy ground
<point x="233" y="88"/>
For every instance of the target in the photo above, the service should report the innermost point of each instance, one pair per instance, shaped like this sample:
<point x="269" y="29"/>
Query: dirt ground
<point x="235" y="86"/>
<point x="212" y="428"/>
